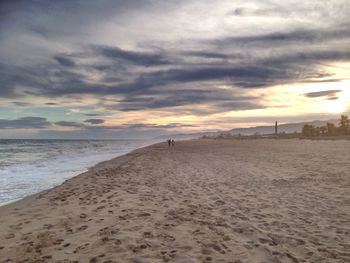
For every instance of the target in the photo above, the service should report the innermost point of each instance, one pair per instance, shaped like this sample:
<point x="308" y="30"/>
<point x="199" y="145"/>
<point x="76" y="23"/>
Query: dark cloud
<point x="25" y="123"/>
<point x="139" y="126"/>
<point x="286" y="38"/>
<point x="240" y="76"/>
<point x="136" y="126"/>
<point x="7" y="81"/>
<point x="54" y="19"/>
<point x="41" y="123"/>
<point x="183" y="73"/>
<point x="15" y="81"/>
<point x="332" y="98"/>
<point x="64" y="61"/>
<point x="145" y="90"/>
<point x="311" y="58"/>
<point x="95" y="121"/>
<point x="231" y="73"/>
<point x="93" y="114"/>
<point x="138" y="58"/>
<point x="330" y="94"/>
<point x="152" y="89"/>
<point x="69" y="124"/>
<point x="209" y="54"/>
<point x="220" y="98"/>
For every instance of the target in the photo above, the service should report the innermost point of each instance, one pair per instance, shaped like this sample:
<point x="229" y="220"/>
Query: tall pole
<point x="276" y="127"/>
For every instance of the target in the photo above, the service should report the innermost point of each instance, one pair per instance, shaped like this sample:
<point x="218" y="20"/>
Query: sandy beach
<point x="200" y="201"/>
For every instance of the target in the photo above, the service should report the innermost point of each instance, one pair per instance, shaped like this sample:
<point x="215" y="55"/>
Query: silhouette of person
<point x="169" y="142"/>
<point x="173" y="142"/>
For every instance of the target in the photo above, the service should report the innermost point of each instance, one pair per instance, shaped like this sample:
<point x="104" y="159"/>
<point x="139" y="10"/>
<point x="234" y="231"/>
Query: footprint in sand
<point x="82" y="247"/>
<point x="100" y="207"/>
<point x="219" y="202"/>
<point x="83" y="215"/>
<point x="46" y="257"/>
<point x="105" y="239"/>
<point x="58" y="241"/>
<point x="168" y="255"/>
<point x="167" y="237"/>
<point x="47" y="226"/>
<point x="140" y="247"/>
<point x="267" y="241"/>
<point x="10" y="236"/>
<point x="143" y="214"/>
<point x="16" y="227"/>
<point x="82" y="228"/>
<point x="148" y="234"/>
<point x="117" y="242"/>
<point x="217" y="248"/>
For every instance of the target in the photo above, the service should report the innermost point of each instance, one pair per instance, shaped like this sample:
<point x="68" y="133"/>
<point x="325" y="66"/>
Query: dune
<point x="200" y="201"/>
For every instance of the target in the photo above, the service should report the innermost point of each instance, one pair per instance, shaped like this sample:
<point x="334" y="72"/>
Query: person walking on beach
<point x="169" y="142"/>
<point x="173" y="142"/>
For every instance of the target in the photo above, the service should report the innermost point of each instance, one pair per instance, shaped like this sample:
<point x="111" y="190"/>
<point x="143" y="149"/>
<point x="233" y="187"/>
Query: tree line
<point x="330" y="129"/>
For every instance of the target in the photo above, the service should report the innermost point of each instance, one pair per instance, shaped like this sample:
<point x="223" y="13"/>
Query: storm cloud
<point x="69" y="124"/>
<point x="64" y="61"/>
<point x="94" y="121"/>
<point x="139" y="58"/>
<point x="123" y="58"/>
<point x="25" y="123"/>
<point x="329" y="94"/>
<point x="40" y="123"/>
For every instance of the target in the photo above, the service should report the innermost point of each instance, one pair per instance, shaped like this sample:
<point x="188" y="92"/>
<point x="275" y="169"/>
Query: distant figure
<point x="169" y="142"/>
<point x="173" y="142"/>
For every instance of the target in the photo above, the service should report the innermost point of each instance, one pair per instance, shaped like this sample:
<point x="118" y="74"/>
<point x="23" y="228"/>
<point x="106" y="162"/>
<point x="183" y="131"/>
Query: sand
<point x="201" y="201"/>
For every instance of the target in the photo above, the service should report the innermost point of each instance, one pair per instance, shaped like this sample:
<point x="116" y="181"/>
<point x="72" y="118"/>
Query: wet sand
<point x="200" y="201"/>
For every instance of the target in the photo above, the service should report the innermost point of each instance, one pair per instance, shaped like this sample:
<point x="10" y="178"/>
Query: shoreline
<point x="72" y="175"/>
<point x="31" y="196"/>
<point x="200" y="201"/>
<point x="11" y="201"/>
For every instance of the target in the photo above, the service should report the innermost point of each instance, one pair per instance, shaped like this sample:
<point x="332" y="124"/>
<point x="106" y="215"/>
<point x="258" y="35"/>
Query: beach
<point x="29" y="166"/>
<point x="237" y="201"/>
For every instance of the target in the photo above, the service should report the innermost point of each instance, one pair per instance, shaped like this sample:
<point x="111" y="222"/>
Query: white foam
<point x="26" y="178"/>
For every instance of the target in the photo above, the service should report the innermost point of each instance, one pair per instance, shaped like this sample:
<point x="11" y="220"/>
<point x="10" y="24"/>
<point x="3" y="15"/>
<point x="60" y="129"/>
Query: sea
<point x="31" y="166"/>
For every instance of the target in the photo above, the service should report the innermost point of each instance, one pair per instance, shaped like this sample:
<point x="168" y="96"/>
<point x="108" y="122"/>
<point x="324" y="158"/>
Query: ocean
<point x="31" y="166"/>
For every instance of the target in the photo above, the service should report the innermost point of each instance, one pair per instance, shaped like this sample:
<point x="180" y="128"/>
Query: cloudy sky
<point x="140" y="68"/>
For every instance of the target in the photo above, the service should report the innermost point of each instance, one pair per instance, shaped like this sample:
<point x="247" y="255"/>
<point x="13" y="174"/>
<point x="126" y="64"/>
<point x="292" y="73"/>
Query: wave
<point x="52" y="163"/>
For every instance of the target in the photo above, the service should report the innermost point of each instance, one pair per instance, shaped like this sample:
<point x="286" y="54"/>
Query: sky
<point x="141" y="68"/>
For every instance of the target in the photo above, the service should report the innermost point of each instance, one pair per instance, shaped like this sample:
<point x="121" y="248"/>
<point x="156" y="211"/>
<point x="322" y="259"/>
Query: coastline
<point x="11" y="201"/>
<point x="84" y="167"/>
<point x="200" y="201"/>
<point x="26" y="200"/>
